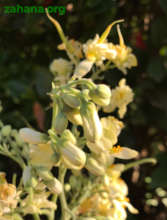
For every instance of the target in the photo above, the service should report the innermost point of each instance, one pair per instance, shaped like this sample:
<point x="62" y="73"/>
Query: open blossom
<point x="99" y="49"/>
<point x="96" y="51"/>
<point x="112" y="201"/>
<point x="40" y="151"/>
<point x="41" y="155"/>
<point x="124" y="59"/>
<point x="121" y="96"/>
<point x="8" y="196"/>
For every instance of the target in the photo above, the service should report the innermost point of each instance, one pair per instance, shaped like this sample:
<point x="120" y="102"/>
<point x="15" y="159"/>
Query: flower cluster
<point x="80" y="142"/>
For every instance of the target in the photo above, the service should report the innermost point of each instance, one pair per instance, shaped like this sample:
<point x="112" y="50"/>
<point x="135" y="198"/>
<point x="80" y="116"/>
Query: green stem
<point x="51" y="215"/>
<point x="83" y="81"/>
<point x="64" y="207"/>
<point x="36" y="217"/>
<point x="139" y="162"/>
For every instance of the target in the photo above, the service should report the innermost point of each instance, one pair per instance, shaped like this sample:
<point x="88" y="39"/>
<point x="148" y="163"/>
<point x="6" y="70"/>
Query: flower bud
<point x="91" y="122"/>
<point x="32" y="137"/>
<point x="54" y="186"/>
<point x="68" y="135"/>
<point x="101" y="95"/>
<point x="74" y="116"/>
<point x="61" y="122"/>
<point x="83" y="68"/>
<point x="71" y="99"/>
<point x="60" y="66"/>
<point x="94" y="167"/>
<point x="72" y="156"/>
<point x="6" y="130"/>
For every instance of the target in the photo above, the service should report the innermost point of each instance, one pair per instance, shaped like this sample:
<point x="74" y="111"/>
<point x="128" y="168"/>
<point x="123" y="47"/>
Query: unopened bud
<point x="6" y="130"/>
<point x="54" y="186"/>
<point x="60" y="66"/>
<point x="73" y="157"/>
<point x="32" y="137"/>
<point x="74" y="116"/>
<point x="68" y="135"/>
<point x="83" y="68"/>
<point x="94" y="167"/>
<point x="71" y="99"/>
<point x="61" y="122"/>
<point x="91" y="122"/>
<point x="67" y="187"/>
<point x="101" y="95"/>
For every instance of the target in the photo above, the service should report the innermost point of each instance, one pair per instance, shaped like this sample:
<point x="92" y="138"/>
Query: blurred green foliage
<point x="28" y="43"/>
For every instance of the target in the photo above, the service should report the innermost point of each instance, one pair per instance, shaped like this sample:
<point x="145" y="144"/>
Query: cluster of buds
<point x="79" y="140"/>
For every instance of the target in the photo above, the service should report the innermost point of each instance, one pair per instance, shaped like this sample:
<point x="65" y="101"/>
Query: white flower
<point x="120" y="98"/>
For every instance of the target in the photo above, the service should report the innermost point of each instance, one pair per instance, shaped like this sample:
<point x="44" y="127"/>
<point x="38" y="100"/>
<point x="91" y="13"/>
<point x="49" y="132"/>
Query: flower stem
<point x="51" y="215"/>
<point x="64" y="207"/>
<point x="36" y="217"/>
<point x="139" y="162"/>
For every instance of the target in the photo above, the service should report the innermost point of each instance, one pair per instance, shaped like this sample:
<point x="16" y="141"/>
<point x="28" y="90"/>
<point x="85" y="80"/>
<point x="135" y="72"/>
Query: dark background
<point x="28" y="44"/>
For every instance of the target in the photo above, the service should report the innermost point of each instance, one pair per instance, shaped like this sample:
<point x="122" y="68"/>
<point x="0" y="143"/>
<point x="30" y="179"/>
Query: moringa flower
<point x="122" y="95"/>
<point x="124" y="59"/>
<point x="9" y="196"/>
<point x="95" y="51"/>
<point x="41" y="155"/>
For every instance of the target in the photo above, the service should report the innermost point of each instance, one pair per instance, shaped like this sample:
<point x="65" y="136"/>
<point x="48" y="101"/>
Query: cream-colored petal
<point x="125" y="153"/>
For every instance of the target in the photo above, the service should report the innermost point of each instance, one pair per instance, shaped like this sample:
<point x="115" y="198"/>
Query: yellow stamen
<point x="116" y="149"/>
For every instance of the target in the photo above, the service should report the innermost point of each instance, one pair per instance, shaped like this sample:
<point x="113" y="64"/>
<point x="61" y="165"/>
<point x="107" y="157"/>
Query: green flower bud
<point x="6" y="130"/>
<point x="71" y="98"/>
<point x="54" y="185"/>
<point x="82" y="69"/>
<point x="74" y="116"/>
<point x="67" y="187"/>
<point x="101" y="95"/>
<point x="61" y="122"/>
<point x="68" y="135"/>
<point x="94" y="167"/>
<point x="91" y="122"/>
<point x="32" y="137"/>
<point x="72" y="156"/>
